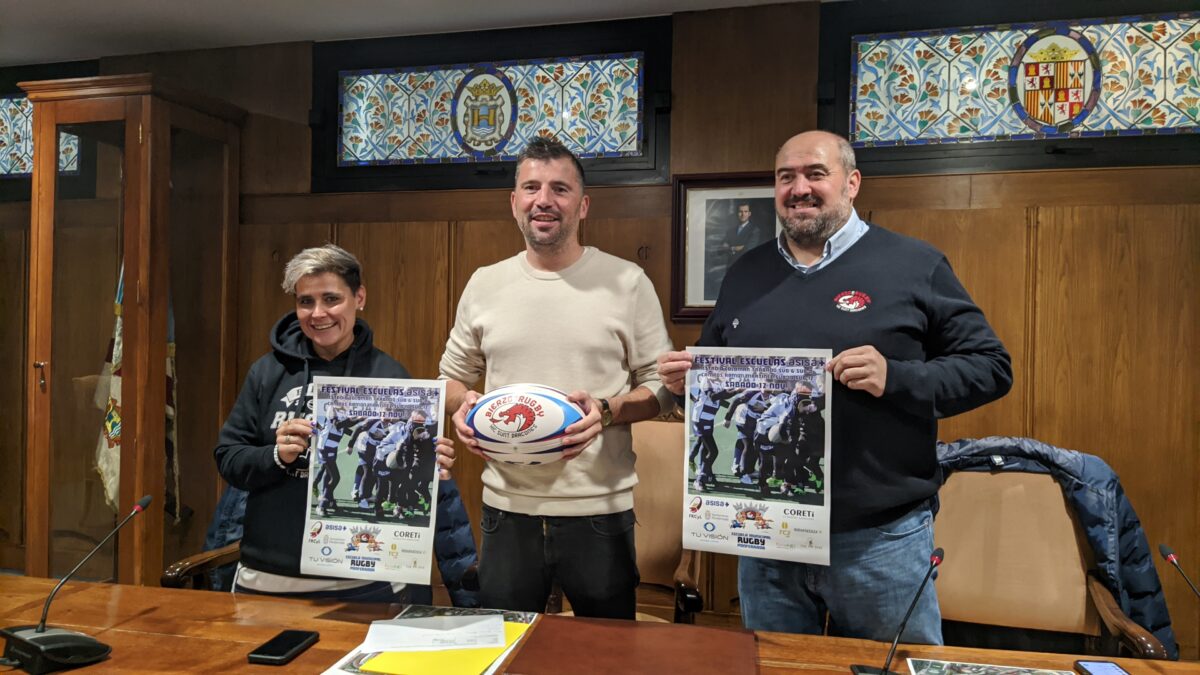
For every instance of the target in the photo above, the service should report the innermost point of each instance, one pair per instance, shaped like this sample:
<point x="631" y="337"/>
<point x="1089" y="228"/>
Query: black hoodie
<point x="279" y="387"/>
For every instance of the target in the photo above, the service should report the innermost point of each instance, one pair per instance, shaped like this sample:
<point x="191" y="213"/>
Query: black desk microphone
<point x="38" y="649"/>
<point x="934" y="561"/>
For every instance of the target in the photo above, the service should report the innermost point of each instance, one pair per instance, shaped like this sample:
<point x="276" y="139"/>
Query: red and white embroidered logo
<point x="851" y="301"/>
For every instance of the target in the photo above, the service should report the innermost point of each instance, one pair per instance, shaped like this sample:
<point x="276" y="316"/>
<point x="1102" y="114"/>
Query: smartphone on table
<point x="283" y="647"/>
<point x="1099" y="668"/>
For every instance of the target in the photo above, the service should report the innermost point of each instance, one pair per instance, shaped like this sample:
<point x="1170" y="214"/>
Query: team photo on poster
<point x="373" y="478"/>
<point x="758" y="453"/>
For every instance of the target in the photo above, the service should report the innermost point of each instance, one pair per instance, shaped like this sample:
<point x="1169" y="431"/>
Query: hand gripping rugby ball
<point x="523" y="423"/>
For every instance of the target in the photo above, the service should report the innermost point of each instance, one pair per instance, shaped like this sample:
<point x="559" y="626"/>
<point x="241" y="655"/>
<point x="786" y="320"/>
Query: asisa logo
<point x="851" y="301"/>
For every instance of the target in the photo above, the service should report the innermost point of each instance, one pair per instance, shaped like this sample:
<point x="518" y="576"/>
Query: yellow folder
<point x="445" y="661"/>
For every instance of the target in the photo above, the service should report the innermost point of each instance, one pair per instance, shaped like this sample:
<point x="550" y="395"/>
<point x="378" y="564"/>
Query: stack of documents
<point x="437" y="641"/>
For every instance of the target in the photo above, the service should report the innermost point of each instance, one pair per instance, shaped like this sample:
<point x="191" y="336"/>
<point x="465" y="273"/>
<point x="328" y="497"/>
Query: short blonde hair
<point x="319" y="260"/>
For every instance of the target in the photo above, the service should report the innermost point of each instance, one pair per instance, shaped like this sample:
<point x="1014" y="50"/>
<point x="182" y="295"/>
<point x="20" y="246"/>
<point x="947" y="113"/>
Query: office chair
<point x="192" y="571"/>
<point x="1016" y="571"/>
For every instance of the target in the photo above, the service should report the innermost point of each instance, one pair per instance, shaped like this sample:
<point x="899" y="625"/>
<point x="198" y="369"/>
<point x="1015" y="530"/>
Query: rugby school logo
<point x="851" y="301"/>
<point x="515" y="418"/>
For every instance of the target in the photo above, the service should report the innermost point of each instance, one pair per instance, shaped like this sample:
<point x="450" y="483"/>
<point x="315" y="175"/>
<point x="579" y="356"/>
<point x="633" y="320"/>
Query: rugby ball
<point x="523" y="423"/>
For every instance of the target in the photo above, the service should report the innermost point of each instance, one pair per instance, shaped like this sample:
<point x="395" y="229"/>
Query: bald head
<point x="840" y="146"/>
<point x="815" y="187"/>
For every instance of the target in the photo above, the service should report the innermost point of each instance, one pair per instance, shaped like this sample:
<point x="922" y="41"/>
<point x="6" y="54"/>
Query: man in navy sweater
<point x="910" y="347"/>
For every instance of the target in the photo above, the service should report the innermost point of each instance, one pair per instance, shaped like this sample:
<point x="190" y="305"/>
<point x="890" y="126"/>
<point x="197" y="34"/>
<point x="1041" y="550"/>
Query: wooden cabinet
<point x="131" y="254"/>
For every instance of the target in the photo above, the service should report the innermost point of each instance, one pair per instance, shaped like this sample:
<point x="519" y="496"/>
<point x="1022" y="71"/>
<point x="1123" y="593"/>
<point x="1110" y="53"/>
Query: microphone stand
<point x="40" y="650"/>
<point x="934" y="561"/>
<point x="1169" y="555"/>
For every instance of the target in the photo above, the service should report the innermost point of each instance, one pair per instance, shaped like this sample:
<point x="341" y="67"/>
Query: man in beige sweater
<point x="580" y="320"/>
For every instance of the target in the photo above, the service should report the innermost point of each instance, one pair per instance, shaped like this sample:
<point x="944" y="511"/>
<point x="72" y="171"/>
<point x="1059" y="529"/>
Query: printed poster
<point x="931" y="667"/>
<point x="757" y="446"/>
<point x="373" y="479"/>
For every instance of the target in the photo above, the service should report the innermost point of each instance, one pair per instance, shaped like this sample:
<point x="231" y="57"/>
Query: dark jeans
<point x="592" y="557"/>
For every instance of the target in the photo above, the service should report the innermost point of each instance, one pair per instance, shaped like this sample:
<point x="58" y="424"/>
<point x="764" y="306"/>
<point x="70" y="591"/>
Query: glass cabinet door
<point x="85" y="380"/>
<point x="198" y="209"/>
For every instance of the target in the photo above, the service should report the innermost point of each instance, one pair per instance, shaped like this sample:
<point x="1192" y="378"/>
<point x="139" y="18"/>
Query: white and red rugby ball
<point x="523" y="423"/>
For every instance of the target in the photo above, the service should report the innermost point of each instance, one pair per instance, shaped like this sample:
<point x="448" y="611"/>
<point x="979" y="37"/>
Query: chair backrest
<point x="1015" y="554"/>
<point x="658" y="499"/>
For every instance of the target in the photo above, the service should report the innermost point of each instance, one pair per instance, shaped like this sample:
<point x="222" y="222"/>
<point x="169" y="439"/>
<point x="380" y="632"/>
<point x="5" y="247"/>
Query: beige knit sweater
<point x="596" y="326"/>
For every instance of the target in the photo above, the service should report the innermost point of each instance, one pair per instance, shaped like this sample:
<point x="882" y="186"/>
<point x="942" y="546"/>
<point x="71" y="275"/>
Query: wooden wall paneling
<point x="1146" y="185"/>
<point x="987" y="249"/>
<point x="14" y="268"/>
<point x="914" y="192"/>
<point x="1114" y="373"/>
<point x="272" y="82"/>
<point x="408" y="289"/>
<point x="475" y="244"/>
<point x="743" y="81"/>
<point x="1143" y="185"/>
<point x="272" y="79"/>
<point x="263" y="250"/>
<point x="276" y="156"/>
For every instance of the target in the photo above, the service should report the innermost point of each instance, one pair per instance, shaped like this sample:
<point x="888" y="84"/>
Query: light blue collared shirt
<point x="839" y="243"/>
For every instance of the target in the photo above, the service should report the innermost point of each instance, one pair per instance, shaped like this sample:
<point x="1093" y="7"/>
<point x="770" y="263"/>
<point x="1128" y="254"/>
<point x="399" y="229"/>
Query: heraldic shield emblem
<point x="484" y="112"/>
<point x="1054" y="81"/>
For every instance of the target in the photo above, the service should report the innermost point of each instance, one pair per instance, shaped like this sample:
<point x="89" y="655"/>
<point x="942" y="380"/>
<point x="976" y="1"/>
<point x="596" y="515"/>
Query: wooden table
<point x="787" y="653"/>
<point x="154" y="630"/>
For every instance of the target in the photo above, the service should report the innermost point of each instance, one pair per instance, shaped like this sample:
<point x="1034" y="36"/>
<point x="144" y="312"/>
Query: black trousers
<point x="592" y="557"/>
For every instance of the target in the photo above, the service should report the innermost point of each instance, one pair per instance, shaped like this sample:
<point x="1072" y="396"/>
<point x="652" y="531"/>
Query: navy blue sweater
<point x="899" y="295"/>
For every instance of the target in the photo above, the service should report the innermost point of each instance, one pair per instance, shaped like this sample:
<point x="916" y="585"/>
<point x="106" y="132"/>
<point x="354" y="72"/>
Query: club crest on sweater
<point x="851" y="301"/>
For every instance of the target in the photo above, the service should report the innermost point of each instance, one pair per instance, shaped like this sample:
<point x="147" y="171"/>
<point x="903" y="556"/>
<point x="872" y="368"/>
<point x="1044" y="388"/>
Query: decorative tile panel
<point x="488" y="112"/>
<point x="16" y="141"/>
<point x="1067" y="79"/>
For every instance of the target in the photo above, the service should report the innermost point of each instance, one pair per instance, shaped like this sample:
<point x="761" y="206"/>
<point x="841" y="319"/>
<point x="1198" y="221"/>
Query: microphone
<point x="40" y="650"/>
<point x="1170" y="557"/>
<point x="934" y="560"/>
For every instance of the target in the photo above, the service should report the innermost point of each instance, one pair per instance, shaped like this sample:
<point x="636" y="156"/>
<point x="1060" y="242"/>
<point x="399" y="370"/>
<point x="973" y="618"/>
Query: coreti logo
<point x="851" y="301"/>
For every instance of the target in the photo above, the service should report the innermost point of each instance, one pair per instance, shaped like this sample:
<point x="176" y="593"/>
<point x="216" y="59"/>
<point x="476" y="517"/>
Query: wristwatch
<point x="606" y="417"/>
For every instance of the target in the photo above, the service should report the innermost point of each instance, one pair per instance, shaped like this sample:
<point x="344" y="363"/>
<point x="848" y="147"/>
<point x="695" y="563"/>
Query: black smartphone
<point x="1099" y="668"/>
<point x="283" y="647"/>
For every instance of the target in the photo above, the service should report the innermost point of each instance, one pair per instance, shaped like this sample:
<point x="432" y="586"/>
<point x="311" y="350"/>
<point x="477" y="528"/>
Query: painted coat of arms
<point x="484" y="112"/>
<point x="1052" y="85"/>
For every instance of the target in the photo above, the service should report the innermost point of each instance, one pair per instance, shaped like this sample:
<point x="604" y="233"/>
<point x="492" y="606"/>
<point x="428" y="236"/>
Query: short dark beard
<point x="552" y="246"/>
<point x="814" y="234"/>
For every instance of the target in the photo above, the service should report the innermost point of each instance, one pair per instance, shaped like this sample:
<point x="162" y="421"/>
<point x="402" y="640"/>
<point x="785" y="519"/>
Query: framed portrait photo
<point x="716" y="219"/>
